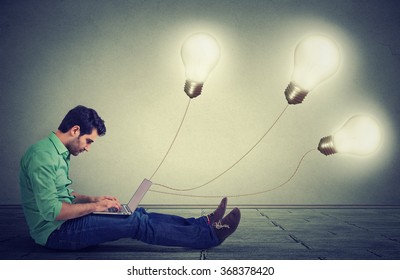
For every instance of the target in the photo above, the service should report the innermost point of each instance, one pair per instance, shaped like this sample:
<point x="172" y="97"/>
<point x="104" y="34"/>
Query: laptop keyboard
<point x="115" y="210"/>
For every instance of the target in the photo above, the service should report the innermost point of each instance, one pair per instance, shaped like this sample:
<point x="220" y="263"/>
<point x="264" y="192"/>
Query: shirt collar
<point x="60" y="147"/>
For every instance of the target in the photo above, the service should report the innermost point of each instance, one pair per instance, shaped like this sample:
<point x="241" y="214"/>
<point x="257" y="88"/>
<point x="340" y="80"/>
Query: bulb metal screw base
<point x="326" y="146"/>
<point x="193" y="89"/>
<point x="294" y="94"/>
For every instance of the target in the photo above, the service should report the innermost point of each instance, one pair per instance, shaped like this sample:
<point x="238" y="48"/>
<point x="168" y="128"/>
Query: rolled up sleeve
<point x="43" y="180"/>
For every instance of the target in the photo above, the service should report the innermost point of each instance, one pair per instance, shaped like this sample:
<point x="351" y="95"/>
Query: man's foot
<point x="227" y="225"/>
<point x="218" y="213"/>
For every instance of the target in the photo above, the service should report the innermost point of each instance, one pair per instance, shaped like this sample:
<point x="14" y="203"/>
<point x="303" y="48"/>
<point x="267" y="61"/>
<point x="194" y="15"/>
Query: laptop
<point x="130" y="207"/>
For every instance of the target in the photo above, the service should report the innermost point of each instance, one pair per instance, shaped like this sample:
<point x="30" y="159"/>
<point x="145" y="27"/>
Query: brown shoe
<point x="218" y="213"/>
<point x="227" y="225"/>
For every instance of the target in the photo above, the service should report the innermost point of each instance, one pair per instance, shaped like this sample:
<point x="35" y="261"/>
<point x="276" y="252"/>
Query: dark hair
<point x="86" y="118"/>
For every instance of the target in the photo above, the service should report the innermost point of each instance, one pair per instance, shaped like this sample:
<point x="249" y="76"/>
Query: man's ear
<point x="75" y="131"/>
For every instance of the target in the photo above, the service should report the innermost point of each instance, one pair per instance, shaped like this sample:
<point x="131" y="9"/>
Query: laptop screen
<point x="139" y="194"/>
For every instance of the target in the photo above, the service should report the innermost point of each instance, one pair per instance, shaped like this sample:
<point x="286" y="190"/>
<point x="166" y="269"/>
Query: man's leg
<point x="152" y="228"/>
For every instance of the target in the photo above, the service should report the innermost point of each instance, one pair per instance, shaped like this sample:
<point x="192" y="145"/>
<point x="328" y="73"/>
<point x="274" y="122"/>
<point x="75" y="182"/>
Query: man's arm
<point x="86" y="205"/>
<point x="72" y="211"/>
<point x="41" y="170"/>
<point x="81" y="198"/>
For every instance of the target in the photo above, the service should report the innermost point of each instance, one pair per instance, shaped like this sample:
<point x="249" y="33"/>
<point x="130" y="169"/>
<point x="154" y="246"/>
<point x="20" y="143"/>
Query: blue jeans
<point x="151" y="228"/>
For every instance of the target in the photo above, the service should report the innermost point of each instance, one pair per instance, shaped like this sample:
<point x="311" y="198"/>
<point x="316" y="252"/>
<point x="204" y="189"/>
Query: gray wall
<point x="123" y="59"/>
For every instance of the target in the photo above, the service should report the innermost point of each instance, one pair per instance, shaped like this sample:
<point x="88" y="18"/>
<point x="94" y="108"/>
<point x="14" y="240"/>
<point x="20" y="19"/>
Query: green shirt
<point x="44" y="185"/>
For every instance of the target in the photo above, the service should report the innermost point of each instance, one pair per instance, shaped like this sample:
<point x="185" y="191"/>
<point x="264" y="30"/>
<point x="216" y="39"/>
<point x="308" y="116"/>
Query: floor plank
<point x="264" y="233"/>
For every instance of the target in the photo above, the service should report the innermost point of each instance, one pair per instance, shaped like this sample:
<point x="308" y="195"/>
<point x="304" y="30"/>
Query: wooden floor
<point x="264" y="233"/>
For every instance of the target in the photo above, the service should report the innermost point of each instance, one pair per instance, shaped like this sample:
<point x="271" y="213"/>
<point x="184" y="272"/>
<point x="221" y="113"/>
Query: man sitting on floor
<point x="60" y="218"/>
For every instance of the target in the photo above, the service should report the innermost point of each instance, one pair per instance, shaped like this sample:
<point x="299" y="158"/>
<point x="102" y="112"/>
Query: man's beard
<point x="73" y="147"/>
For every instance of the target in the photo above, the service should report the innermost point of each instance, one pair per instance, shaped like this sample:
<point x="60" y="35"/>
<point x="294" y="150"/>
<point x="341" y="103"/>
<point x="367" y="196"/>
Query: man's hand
<point x="103" y="203"/>
<point x="104" y="197"/>
<point x="84" y="205"/>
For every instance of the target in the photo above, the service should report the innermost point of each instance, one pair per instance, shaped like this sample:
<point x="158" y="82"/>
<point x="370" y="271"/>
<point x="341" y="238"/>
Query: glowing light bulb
<point x="200" y="53"/>
<point x="316" y="58"/>
<point x="360" y="135"/>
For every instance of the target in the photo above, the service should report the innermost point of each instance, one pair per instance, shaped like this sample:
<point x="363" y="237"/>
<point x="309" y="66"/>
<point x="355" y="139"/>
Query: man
<point x="60" y="218"/>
